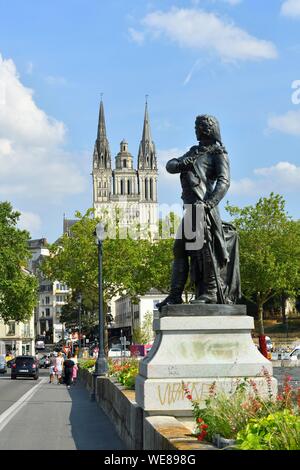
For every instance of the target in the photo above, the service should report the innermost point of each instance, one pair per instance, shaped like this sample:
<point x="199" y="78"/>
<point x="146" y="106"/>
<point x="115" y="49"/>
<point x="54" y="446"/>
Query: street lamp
<point x="79" y="301"/>
<point x="101" y="368"/>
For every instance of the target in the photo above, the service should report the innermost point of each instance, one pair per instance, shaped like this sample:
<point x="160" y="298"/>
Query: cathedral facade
<point x="126" y="195"/>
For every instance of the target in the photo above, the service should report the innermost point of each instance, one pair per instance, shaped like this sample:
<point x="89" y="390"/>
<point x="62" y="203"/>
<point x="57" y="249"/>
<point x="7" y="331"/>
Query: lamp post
<point x="101" y="368"/>
<point x="79" y="301"/>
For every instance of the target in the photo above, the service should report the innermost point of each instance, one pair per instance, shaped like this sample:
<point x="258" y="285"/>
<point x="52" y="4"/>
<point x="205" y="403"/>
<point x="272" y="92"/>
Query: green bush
<point x="278" y="431"/>
<point x="86" y="363"/>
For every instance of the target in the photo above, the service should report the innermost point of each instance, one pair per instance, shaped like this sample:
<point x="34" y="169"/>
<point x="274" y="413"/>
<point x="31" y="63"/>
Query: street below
<point x="38" y="415"/>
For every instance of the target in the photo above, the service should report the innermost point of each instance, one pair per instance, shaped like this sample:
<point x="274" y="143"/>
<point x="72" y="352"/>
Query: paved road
<point x="38" y="415"/>
<point x="281" y="372"/>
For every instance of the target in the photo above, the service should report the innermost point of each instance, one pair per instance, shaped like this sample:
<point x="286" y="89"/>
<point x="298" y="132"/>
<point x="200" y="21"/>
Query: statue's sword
<point x="208" y="240"/>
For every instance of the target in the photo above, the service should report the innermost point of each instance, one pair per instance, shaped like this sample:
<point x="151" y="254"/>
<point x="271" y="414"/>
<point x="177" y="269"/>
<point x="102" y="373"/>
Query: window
<point x="124" y="163"/>
<point x="11" y="328"/>
<point x="47" y="300"/>
<point x="47" y="312"/>
<point x="122" y="187"/>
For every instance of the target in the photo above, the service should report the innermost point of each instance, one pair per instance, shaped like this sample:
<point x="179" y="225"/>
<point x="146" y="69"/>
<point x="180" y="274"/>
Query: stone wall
<point x="119" y="405"/>
<point x="134" y="428"/>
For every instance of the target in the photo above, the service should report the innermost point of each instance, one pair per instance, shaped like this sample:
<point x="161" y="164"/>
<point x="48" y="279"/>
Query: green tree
<point x="269" y="251"/>
<point x="18" y="289"/>
<point x="144" y="333"/>
<point x="74" y="260"/>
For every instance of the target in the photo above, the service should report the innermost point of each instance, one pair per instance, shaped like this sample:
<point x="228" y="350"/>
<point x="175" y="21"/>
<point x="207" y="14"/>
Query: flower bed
<point x="248" y="421"/>
<point x="87" y="364"/>
<point x="124" y="371"/>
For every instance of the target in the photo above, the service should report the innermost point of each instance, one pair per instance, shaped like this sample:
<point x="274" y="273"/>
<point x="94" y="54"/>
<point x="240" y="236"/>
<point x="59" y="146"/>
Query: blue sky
<point x="236" y="59"/>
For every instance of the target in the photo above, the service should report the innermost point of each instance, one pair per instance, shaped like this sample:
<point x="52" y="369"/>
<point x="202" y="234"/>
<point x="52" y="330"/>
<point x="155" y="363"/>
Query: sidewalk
<point x="55" y="418"/>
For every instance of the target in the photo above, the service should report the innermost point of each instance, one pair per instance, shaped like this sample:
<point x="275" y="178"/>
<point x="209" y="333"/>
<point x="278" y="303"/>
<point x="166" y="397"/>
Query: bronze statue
<point x="214" y="260"/>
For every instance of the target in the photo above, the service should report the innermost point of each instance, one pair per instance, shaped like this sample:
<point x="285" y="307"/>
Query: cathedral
<point x="126" y="193"/>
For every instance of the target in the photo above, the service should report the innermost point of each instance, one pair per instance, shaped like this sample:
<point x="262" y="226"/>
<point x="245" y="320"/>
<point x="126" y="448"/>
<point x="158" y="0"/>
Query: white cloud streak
<point x="283" y="175"/>
<point x="288" y="123"/>
<point x="291" y="8"/>
<point x="200" y="30"/>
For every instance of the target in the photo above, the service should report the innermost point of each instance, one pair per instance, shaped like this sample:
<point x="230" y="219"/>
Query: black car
<point x="25" y="366"/>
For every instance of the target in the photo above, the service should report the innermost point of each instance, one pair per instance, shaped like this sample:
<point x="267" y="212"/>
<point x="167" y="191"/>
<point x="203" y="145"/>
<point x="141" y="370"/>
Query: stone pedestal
<point x="199" y="344"/>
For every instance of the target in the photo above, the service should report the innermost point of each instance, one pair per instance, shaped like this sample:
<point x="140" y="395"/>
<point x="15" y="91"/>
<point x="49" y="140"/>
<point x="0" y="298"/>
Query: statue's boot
<point x="210" y="295"/>
<point x="180" y="272"/>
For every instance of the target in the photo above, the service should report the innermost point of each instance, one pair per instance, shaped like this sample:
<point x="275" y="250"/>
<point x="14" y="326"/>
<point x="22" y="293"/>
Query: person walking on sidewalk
<point x="59" y="367"/>
<point x="68" y="370"/>
<point x="75" y="369"/>
<point x="51" y="368"/>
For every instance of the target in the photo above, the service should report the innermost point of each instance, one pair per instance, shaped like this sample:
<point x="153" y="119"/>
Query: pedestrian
<point x="75" y="369"/>
<point x="59" y="367"/>
<point x="68" y="370"/>
<point x="51" y="369"/>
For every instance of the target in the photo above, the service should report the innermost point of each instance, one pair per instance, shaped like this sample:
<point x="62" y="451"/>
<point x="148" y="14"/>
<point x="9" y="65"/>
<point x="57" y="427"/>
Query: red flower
<point x="189" y="397"/>
<point x="201" y="436"/>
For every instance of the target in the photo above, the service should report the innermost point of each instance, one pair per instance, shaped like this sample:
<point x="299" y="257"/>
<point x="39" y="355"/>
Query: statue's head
<point x="207" y="129"/>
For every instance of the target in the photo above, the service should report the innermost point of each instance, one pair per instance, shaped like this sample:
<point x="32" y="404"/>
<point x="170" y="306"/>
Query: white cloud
<point x="288" y="123"/>
<point x="197" y="29"/>
<point x="291" y="8"/>
<point x="136" y="36"/>
<point x="32" y="160"/>
<point x="29" y="221"/>
<point x="283" y="177"/>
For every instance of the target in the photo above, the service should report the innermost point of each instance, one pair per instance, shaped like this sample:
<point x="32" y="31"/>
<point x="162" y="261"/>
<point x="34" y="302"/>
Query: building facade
<point x="124" y="193"/>
<point x="129" y="316"/>
<point x="19" y="338"/>
<point x="52" y="295"/>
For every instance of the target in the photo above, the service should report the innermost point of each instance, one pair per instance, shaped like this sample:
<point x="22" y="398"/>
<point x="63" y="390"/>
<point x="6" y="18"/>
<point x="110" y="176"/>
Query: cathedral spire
<point x="147" y="154"/>
<point x="102" y="157"/>
<point x="101" y="122"/>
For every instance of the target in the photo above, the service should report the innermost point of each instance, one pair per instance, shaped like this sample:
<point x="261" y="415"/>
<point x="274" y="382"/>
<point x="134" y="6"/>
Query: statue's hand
<point x="205" y="204"/>
<point x="209" y="205"/>
<point x="186" y="163"/>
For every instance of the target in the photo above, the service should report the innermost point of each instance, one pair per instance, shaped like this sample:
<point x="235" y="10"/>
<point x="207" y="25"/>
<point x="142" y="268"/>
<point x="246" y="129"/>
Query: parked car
<point x="3" y="367"/>
<point x="40" y="343"/>
<point x="44" y="362"/>
<point x="295" y="354"/>
<point x="25" y="366"/>
<point x="117" y="352"/>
